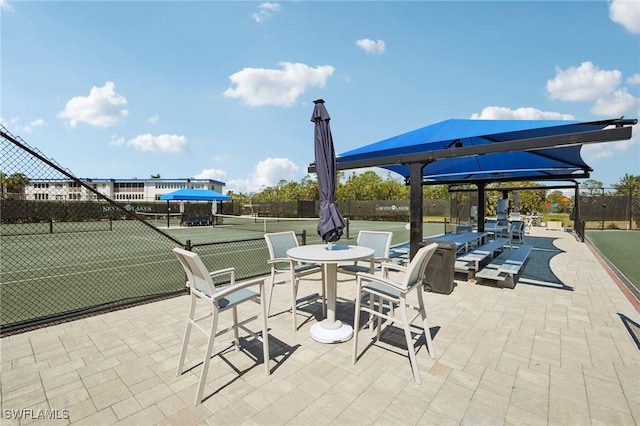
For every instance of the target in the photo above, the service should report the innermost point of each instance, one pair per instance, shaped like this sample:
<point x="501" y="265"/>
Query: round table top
<point x="324" y="253"/>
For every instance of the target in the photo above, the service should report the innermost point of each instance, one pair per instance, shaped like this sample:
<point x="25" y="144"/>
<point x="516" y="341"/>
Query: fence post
<point x="347" y="223"/>
<point x="304" y="237"/>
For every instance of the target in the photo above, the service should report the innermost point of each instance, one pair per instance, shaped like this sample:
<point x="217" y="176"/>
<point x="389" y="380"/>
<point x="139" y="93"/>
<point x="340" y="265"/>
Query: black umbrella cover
<point x="331" y="223"/>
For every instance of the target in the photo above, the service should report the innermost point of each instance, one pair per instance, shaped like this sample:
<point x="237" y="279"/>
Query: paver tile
<point x="538" y="354"/>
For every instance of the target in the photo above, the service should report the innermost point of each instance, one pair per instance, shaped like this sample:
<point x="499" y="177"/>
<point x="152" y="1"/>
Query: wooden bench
<point x="506" y="267"/>
<point x="471" y="262"/>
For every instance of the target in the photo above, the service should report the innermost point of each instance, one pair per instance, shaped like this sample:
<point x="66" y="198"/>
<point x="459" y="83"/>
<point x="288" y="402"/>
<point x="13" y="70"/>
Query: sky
<point x="224" y="90"/>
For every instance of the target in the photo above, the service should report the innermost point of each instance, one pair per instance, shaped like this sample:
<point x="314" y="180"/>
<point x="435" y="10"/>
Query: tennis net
<point x="266" y="224"/>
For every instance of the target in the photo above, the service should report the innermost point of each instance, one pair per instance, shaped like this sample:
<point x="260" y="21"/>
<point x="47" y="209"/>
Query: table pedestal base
<point x="338" y="332"/>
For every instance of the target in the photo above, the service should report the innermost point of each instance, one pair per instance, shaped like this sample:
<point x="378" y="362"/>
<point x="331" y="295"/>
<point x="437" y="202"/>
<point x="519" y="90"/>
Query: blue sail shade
<point x="456" y="133"/>
<point x="195" y="195"/>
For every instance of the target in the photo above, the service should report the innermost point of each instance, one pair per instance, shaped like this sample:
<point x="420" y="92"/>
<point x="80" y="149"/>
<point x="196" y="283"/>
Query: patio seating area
<point x="559" y="348"/>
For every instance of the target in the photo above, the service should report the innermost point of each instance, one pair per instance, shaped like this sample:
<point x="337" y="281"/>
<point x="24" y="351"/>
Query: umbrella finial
<point x="318" y="101"/>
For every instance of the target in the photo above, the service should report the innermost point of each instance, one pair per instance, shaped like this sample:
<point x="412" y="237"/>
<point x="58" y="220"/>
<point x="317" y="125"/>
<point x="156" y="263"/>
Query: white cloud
<point x="163" y="143"/>
<point x="276" y="87"/>
<point x="634" y="79"/>
<point x="583" y="83"/>
<point x="6" y="6"/>
<point x="18" y="128"/>
<point x="13" y="121"/>
<point x="116" y="140"/>
<point x="34" y="124"/>
<point x="596" y="151"/>
<point x="153" y="119"/>
<point x="371" y="46"/>
<point x="626" y="13"/>
<point x="522" y="113"/>
<point x="102" y="108"/>
<point x="615" y="104"/>
<point x="265" y="10"/>
<point x="215" y="174"/>
<point x="267" y="173"/>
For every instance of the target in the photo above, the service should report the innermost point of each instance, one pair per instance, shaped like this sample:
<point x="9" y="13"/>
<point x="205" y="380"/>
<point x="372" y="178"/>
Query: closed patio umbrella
<point x="331" y="223"/>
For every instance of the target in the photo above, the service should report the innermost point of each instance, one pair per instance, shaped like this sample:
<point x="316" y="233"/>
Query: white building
<point x="130" y="190"/>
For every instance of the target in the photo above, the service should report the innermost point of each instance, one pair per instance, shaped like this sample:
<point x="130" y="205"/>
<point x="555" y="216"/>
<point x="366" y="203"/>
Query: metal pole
<point x="630" y="203"/>
<point x="415" y="207"/>
<point x="603" y="206"/>
<point x="482" y="205"/>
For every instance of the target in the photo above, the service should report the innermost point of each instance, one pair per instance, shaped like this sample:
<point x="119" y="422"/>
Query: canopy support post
<point x="415" y="207"/>
<point x="482" y="205"/>
<point x="576" y="209"/>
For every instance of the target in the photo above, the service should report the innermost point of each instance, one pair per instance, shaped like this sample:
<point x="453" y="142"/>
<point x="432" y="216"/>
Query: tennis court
<point x="243" y="227"/>
<point x="620" y="249"/>
<point x="46" y="274"/>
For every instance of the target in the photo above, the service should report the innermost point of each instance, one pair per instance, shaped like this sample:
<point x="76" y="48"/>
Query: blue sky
<point x="225" y="90"/>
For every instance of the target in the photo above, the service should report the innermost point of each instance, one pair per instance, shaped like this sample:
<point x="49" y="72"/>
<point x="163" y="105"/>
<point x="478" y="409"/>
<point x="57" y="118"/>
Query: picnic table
<point x="464" y="241"/>
<point x="472" y="261"/>
<point x="506" y="268"/>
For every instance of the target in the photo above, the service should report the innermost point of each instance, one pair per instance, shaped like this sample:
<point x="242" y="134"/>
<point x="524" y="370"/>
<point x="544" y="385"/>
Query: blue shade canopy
<point x="195" y="195"/>
<point x="481" y="151"/>
<point x="453" y="134"/>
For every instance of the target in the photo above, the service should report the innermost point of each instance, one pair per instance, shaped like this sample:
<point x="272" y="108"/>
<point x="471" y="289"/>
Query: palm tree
<point x="628" y="184"/>
<point x="16" y="183"/>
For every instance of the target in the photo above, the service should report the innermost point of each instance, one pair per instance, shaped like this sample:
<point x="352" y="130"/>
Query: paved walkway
<point x="555" y="350"/>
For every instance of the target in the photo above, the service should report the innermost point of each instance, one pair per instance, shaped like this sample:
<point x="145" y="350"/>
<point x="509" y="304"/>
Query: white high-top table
<point x="330" y="330"/>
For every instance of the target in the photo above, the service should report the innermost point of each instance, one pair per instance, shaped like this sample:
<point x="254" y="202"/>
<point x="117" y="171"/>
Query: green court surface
<point x="257" y="228"/>
<point x="620" y="249"/>
<point x="48" y="271"/>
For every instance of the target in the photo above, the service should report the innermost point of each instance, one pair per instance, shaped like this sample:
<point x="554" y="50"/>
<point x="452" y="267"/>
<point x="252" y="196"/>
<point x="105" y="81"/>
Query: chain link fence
<point x="608" y="211"/>
<point x="61" y="258"/>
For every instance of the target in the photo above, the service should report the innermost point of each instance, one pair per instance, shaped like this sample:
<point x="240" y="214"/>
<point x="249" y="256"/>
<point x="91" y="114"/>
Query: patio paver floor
<point x="552" y="351"/>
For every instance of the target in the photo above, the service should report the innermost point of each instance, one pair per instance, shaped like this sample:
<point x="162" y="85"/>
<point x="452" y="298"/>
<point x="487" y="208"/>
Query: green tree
<point x="562" y="202"/>
<point x="363" y="187"/>
<point x="531" y="200"/>
<point x="432" y="192"/>
<point x="628" y="185"/>
<point x="15" y="185"/>
<point x="309" y="188"/>
<point x="592" y="186"/>
<point x="555" y="196"/>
